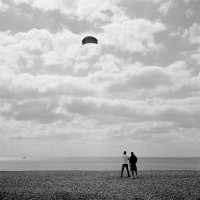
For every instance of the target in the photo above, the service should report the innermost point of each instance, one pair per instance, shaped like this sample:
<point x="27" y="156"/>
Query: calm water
<point x="95" y="163"/>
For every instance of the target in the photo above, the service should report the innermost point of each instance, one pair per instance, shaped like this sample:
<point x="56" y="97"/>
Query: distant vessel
<point x="24" y="157"/>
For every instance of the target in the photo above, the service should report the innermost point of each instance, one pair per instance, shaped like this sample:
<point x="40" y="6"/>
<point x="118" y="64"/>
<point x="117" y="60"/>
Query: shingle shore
<point x="69" y="185"/>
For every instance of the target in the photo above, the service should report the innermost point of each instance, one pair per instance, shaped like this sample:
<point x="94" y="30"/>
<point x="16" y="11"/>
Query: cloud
<point x="36" y="64"/>
<point x="188" y="1"/>
<point x="40" y="46"/>
<point x="80" y="9"/>
<point x="195" y="81"/>
<point x="70" y="96"/>
<point x="36" y="111"/>
<point x="177" y="32"/>
<point x="165" y="7"/>
<point x="41" y="64"/>
<point x="26" y="86"/>
<point x="189" y="12"/>
<point x="53" y="89"/>
<point x="133" y="35"/>
<point x="168" y="3"/>
<point x="3" y="6"/>
<point x="17" y="2"/>
<point x="196" y="57"/>
<point x="154" y="1"/>
<point x="192" y="34"/>
<point x="86" y="119"/>
<point x="139" y="80"/>
<point x="110" y="63"/>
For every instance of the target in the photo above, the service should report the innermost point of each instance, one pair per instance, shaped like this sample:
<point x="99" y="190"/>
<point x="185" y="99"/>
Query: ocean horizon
<point x="95" y="163"/>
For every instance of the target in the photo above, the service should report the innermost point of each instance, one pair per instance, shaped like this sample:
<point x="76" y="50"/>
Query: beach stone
<point x="151" y="184"/>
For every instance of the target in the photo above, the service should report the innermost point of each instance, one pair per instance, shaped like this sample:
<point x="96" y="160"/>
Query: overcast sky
<point x="137" y="90"/>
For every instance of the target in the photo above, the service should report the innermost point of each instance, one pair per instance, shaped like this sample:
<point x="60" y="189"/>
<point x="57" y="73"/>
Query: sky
<point x="137" y="90"/>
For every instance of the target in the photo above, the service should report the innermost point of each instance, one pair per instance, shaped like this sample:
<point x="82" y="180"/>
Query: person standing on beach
<point x="125" y="160"/>
<point x="133" y="161"/>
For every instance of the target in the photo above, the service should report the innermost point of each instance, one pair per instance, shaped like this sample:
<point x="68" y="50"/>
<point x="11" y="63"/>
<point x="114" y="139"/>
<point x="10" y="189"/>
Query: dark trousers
<point x="125" y="166"/>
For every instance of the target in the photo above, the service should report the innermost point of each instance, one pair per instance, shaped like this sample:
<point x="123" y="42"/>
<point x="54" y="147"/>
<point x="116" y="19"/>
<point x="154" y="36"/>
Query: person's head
<point x="132" y="153"/>
<point x="124" y="152"/>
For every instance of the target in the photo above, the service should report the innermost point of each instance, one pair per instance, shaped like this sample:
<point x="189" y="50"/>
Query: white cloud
<point x="188" y="1"/>
<point x="53" y="89"/>
<point x="110" y="63"/>
<point x="189" y="12"/>
<point x="26" y="48"/>
<point x="154" y="1"/>
<point x="92" y="10"/>
<point x="25" y="86"/>
<point x="107" y="119"/>
<point x="25" y="60"/>
<point x="195" y="81"/>
<point x="166" y="4"/>
<point x="17" y="2"/>
<point x="5" y="107"/>
<point x="165" y="7"/>
<point x="133" y="35"/>
<point x="196" y="57"/>
<point x="3" y="6"/>
<point x="139" y="80"/>
<point x="80" y="9"/>
<point x="192" y="34"/>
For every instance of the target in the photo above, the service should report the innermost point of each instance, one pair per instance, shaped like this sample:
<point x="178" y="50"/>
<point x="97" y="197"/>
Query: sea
<point x="95" y="163"/>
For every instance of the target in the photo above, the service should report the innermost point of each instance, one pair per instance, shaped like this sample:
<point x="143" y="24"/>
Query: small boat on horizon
<point x="24" y="157"/>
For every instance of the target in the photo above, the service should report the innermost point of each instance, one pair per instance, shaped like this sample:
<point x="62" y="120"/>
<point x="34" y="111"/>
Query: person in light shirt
<point x="125" y="160"/>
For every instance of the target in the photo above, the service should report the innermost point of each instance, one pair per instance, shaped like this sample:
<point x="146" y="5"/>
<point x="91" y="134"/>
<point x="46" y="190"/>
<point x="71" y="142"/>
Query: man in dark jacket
<point x="133" y="161"/>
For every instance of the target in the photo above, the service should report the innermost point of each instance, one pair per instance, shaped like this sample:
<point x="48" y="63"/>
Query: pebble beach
<point x="151" y="184"/>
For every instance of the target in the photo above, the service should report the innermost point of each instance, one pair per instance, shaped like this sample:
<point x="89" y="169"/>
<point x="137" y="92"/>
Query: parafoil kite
<point x="89" y="39"/>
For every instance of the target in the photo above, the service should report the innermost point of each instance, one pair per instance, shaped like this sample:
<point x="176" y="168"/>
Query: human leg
<point x="136" y="173"/>
<point x="132" y="172"/>
<point x="127" y="170"/>
<point x="122" y="170"/>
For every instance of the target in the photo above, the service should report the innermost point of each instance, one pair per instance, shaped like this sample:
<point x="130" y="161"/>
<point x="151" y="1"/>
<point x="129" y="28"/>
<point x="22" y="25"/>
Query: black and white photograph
<point x="100" y="99"/>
